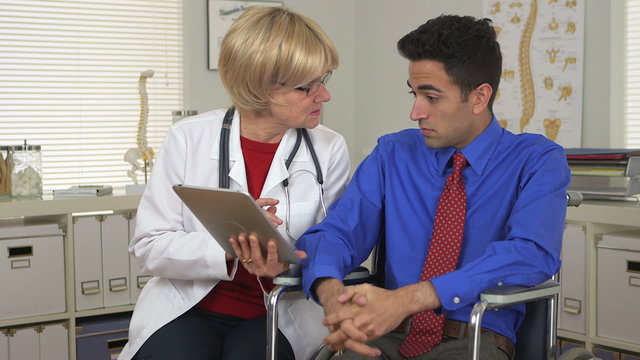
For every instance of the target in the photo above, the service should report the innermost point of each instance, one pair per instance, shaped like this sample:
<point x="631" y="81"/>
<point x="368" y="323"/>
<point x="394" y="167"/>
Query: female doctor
<point x="201" y="302"/>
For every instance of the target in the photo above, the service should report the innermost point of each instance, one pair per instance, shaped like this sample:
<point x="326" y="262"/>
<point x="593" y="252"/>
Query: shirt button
<point x="500" y="283"/>
<point x="456" y="299"/>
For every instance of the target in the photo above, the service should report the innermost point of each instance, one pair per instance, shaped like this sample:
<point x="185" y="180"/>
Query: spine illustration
<point x="527" y="90"/>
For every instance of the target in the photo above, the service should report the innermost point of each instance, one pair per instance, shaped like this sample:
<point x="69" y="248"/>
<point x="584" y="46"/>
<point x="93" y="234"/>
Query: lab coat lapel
<point x="237" y="171"/>
<point x="278" y="170"/>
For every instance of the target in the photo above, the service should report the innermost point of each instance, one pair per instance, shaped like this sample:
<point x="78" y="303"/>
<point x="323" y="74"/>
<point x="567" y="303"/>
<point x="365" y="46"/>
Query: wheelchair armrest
<point x="501" y="296"/>
<point x="293" y="277"/>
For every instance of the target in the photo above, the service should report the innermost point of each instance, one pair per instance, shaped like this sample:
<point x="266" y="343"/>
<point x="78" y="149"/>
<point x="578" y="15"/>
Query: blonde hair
<point x="269" y="49"/>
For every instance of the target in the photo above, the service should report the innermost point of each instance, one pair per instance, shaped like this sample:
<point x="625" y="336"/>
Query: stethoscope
<point x="224" y="180"/>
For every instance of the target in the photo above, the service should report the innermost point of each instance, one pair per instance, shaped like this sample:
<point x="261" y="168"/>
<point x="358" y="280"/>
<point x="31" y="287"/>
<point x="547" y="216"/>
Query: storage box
<point x="567" y="344"/>
<point x="572" y="277"/>
<point x="625" y="356"/>
<point x="605" y="354"/>
<point x="31" y="270"/>
<point x="115" y="260"/>
<point x="88" y="262"/>
<point x="619" y="287"/>
<point x="101" y="338"/>
<point x="37" y="342"/>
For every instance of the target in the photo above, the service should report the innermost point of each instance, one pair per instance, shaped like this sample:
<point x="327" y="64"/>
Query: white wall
<point x="370" y="96"/>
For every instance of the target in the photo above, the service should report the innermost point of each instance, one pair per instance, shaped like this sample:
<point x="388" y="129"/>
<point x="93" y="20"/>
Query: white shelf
<point x="61" y="211"/>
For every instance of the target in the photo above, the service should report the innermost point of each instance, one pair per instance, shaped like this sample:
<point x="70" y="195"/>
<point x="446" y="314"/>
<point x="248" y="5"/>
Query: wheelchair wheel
<point x="576" y="354"/>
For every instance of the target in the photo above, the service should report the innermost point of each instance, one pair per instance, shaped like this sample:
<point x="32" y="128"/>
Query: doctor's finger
<point x="272" y="252"/>
<point x="272" y="216"/>
<point x="236" y="246"/>
<point x="256" y="251"/>
<point x="244" y="246"/>
<point x="262" y="202"/>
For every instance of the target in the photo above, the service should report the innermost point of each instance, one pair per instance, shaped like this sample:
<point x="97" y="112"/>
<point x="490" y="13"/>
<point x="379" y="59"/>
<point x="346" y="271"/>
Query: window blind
<point x="69" y="74"/>
<point x="632" y="69"/>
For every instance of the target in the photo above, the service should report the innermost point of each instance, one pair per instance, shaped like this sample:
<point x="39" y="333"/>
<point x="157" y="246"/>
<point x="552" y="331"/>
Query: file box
<point x="31" y="270"/>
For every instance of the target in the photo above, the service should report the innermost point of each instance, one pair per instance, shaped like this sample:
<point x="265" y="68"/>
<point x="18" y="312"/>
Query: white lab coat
<point x="186" y="262"/>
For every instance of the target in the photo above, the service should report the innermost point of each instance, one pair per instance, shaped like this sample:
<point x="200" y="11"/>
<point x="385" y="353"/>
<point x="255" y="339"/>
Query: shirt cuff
<point x="454" y="290"/>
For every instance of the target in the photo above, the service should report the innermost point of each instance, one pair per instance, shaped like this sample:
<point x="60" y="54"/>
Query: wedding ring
<point x="247" y="260"/>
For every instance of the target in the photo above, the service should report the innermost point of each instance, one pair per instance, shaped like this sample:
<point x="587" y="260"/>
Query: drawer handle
<point x="634" y="281"/>
<point x="21" y="264"/>
<point x="633" y="266"/>
<point x="116" y="344"/>
<point x="572" y="306"/>
<point x="90" y="287"/>
<point x="118" y="284"/>
<point x="142" y="280"/>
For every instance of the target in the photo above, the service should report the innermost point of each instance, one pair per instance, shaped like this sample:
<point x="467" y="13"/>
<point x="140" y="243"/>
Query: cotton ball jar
<point x="26" y="182"/>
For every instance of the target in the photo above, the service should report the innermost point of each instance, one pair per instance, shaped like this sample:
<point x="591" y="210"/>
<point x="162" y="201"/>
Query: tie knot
<point x="459" y="162"/>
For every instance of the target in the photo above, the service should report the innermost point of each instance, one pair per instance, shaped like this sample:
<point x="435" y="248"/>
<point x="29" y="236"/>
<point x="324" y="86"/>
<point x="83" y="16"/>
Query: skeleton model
<point x="143" y="152"/>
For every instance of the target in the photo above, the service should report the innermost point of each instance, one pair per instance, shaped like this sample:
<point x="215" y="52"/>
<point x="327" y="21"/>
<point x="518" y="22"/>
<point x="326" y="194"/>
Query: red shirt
<point x="242" y="296"/>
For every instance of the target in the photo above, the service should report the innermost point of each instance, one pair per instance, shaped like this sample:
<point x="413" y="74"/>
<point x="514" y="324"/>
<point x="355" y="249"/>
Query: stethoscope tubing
<point x="224" y="180"/>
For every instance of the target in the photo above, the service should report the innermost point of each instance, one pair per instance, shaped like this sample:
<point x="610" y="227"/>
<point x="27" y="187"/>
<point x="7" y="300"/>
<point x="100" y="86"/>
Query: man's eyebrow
<point x="425" y="87"/>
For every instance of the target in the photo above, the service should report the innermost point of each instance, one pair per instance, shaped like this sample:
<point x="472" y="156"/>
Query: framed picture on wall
<point x="221" y="14"/>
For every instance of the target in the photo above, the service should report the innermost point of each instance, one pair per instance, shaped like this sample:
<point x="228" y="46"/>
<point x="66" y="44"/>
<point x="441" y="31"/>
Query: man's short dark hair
<point x="465" y="45"/>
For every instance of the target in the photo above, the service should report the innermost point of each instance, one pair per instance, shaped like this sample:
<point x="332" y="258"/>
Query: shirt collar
<point x="478" y="152"/>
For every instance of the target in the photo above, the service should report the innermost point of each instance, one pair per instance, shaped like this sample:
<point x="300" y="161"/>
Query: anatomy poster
<point x="221" y="14"/>
<point x="542" y="48"/>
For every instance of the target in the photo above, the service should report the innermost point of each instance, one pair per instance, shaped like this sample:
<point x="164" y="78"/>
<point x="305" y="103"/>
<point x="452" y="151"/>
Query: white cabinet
<point x="610" y="306"/>
<point x="84" y="273"/>
<point x="619" y="287"/>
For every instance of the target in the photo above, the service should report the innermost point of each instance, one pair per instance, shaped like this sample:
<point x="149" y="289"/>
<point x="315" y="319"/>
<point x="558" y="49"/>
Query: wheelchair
<point x="538" y="327"/>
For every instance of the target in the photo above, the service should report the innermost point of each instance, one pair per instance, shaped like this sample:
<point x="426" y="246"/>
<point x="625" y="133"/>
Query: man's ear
<point x="480" y="98"/>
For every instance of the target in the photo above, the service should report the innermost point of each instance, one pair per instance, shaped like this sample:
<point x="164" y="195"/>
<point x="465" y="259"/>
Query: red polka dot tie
<point x="444" y="250"/>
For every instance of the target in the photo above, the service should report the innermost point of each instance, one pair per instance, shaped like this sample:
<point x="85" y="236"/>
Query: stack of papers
<point x="83" y="191"/>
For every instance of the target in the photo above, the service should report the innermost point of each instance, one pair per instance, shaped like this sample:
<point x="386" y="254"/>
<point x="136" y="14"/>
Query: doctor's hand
<point x="250" y="254"/>
<point x="271" y="209"/>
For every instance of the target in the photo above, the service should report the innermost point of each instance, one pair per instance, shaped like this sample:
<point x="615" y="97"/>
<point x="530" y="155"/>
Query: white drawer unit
<point x="619" y="287"/>
<point x="31" y="270"/>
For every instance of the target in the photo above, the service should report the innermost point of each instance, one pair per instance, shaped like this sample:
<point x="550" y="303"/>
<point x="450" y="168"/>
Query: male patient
<point x="462" y="203"/>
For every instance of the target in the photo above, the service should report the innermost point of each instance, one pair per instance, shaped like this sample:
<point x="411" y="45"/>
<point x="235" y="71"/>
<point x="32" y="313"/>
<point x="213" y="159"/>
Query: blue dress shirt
<point x="516" y="206"/>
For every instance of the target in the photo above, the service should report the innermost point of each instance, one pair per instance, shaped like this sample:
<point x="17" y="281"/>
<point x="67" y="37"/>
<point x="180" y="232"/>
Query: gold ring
<point x="247" y="260"/>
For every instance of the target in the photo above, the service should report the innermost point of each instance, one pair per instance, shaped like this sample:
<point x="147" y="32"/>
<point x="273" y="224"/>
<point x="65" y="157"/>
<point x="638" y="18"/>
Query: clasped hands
<point x="358" y="314"/>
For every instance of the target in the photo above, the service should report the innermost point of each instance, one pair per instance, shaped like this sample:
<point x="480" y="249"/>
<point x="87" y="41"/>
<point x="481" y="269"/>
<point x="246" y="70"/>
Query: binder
<point x="115" y="260"/>
<point x="88" y="263"/>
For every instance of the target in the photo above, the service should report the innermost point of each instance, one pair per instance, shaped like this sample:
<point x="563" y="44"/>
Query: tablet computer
<point x="225" y="213"/>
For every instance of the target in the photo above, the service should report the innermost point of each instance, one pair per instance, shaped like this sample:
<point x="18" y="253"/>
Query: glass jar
<point x="21" y="171"/>
<point x="178" y="115"/>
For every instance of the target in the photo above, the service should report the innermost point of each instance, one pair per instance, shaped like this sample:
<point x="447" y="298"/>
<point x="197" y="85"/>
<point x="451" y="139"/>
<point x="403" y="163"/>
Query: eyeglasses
<point x="313" y="87"/>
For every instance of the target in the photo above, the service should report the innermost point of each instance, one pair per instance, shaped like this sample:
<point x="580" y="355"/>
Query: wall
<point x="370" y="96"/>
